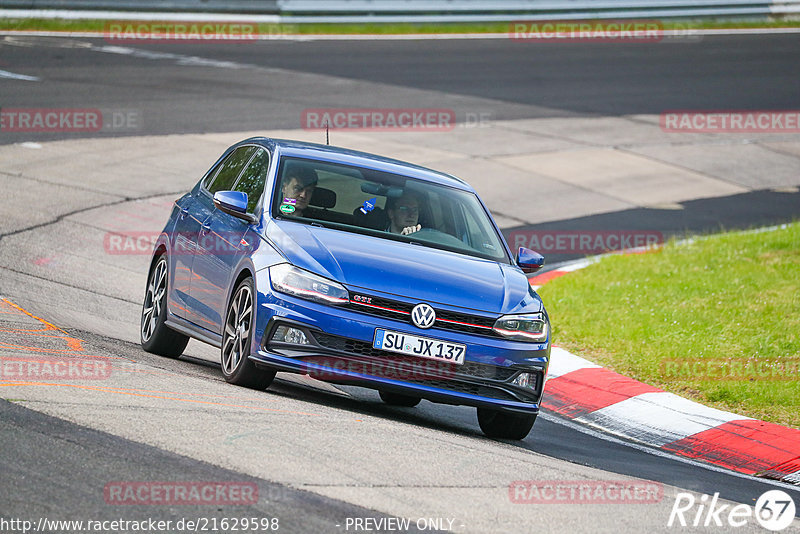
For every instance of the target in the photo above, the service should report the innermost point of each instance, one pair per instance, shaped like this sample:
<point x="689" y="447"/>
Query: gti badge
<point x="423" y="316"/>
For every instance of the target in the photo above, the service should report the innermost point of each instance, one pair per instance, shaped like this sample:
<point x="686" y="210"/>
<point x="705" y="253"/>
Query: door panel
<point x="219" y="239"/>
<point x="184" y="249"/>
<point x="219" y="250"/>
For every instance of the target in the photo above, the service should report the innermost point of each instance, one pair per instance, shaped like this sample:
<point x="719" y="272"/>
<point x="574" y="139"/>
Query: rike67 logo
<point x="774" y="510"/>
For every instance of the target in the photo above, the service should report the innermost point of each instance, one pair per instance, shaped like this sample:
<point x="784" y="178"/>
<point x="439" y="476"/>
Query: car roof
<point x="334" y="154"/>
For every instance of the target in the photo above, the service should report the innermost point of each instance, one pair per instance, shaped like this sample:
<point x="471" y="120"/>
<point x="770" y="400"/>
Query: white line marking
<point x="794" y="478"/>
<point x="180" y="59"/>
<point x="563" y="362"/>
<point x="14" y="76"/>
<point x="657" y="418"/>
<point x="28" y="144"/>
<point x="578" y="264"/>
<point x="661" y="454"/>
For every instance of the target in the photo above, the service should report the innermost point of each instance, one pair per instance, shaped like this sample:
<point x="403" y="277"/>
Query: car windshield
<point x="386" y="205"/>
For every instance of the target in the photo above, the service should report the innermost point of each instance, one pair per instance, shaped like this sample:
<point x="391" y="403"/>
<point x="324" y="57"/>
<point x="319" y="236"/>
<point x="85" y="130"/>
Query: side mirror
<point x="233" y="203"/>
<point x="528" y="260"/>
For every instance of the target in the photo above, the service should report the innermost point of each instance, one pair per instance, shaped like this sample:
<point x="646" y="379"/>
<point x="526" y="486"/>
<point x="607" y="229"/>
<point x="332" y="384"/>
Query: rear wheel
<point x="155" y="335"/>
<point x="236" y="340"/>
<point x="496" y="424"/>
<point x="396" y="399"/>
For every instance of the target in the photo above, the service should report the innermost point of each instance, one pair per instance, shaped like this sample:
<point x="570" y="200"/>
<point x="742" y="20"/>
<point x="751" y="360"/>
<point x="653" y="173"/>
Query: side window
<point x="211" y="174"/>
<point x="476" y="234"/>
<point x="253" y="179"/>
<point x="230" y="169"/>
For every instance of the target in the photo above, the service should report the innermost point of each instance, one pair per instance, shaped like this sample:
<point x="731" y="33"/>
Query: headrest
<point x="375" y="219"/>
<point x="323" y="198"/>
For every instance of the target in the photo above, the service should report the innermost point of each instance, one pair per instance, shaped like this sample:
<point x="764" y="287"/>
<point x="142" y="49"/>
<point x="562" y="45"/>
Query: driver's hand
<point x="411" y="229"/>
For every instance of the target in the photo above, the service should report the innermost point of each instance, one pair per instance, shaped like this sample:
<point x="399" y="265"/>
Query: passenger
<point x="403" y="213"/>
<point x="297" y="189"/>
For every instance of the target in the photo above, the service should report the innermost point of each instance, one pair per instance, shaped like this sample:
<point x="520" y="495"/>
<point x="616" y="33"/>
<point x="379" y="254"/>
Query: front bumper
<point x="339" y="350"/>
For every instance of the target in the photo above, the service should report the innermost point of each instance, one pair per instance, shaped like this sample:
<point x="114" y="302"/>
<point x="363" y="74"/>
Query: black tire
<point x="397" y="399"/>
<point x="155" y="336"/>
<point x="237" y="336"/>
<point x="496" y="424"/>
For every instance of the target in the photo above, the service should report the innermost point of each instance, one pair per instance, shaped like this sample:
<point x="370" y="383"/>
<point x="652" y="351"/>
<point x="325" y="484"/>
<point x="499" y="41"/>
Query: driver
<point x="403" y="213"/>
<point x="298" y="187"/>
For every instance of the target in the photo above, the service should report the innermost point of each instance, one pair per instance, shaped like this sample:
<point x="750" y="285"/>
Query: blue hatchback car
<point x="354" y="269"/>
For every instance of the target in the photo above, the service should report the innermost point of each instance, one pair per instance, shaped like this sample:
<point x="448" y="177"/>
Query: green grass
<point x="729" y="301"/>
<point x="91" y="25"/>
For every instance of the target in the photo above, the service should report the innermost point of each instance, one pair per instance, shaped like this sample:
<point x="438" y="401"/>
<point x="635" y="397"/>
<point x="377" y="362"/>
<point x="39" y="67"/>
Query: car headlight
<point x="289" y="279"/>
<point x="529" y="327"/>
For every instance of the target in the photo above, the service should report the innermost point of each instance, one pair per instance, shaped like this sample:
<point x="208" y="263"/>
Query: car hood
<point x="415" y="272"/>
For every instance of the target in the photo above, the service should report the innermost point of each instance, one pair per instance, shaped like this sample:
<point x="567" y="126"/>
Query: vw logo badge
<point x="423" y="316"/>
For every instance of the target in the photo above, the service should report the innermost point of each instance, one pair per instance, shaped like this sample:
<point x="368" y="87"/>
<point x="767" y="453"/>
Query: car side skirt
<point x="192" y="330"/>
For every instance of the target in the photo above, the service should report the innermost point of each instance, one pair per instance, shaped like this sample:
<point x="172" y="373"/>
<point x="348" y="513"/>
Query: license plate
<point x="423" y="347"/>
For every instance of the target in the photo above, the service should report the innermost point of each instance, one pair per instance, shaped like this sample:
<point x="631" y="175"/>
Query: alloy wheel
<point x="154" y="299"/>
<point x="237" y="330"/>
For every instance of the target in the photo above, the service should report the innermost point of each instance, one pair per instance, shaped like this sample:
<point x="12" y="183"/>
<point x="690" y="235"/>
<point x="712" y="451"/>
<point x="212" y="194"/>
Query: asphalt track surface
<point x="55" y="465"/>
<point x="262" y="88"/>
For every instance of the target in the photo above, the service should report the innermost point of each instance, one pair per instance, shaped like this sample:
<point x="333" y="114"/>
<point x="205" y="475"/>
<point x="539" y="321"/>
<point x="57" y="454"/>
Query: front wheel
<point x="236" y="340"/>
<point x="496" y="424"/>
<point x="155" y="335"/>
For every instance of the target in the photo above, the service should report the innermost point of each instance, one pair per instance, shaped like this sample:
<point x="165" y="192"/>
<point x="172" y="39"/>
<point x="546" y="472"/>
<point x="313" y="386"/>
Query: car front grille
<point x="445" y="319"/>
